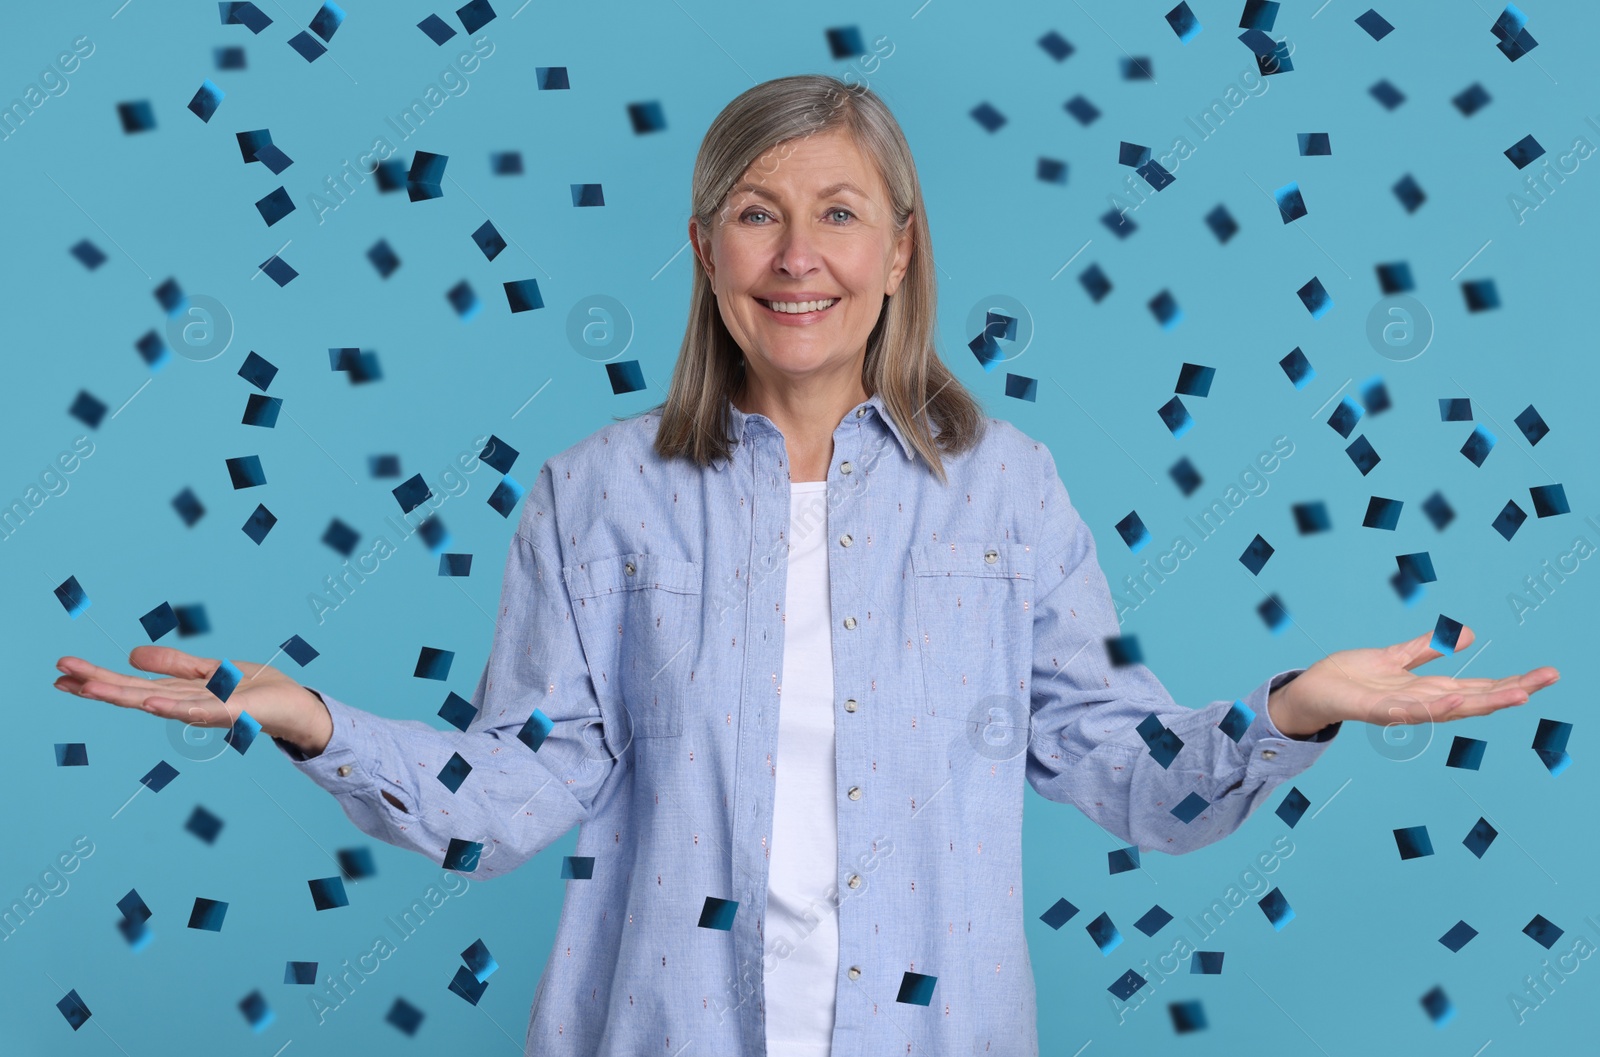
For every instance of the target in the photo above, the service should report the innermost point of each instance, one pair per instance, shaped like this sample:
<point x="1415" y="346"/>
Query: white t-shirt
<point x="801" y="927"/>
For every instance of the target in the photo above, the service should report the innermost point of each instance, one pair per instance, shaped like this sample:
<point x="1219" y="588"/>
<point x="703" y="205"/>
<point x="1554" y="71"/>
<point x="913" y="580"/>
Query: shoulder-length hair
<point x="934" y="412"/>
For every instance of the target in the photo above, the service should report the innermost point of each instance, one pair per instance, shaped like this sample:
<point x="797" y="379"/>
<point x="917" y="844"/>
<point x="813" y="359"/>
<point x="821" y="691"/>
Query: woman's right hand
<point x="283" y="707"/>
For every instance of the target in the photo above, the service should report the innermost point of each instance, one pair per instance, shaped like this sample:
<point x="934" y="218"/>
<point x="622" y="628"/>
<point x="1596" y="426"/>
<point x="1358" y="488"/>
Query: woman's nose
<point x="797" y="251"/>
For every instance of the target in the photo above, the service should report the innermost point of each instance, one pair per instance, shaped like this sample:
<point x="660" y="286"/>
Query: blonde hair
<point x="902" y="364"/>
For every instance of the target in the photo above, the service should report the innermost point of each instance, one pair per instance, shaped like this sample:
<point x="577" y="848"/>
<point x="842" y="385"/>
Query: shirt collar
<point x="738" y="421"/>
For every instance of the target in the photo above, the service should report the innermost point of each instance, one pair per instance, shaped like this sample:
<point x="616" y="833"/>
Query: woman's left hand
<point x="1377" y="686"/>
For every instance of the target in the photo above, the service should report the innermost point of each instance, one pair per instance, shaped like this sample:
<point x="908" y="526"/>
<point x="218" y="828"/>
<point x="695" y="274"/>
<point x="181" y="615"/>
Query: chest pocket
<point x="638" y="615"/>
<point x="974" y="598"/>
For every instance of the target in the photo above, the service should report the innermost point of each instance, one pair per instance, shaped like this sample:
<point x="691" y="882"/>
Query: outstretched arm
<point x="514" y="801"/>
<point x="1086" y="746"/>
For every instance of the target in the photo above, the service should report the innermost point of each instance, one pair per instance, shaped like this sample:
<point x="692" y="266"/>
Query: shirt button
<point x="854" y="882"/>
<point x="850" y="704"/>
<point x="1267" y="754"/>
<point x="854" y="973"/>
<point x="991" y="556"/>
<point x="845" y="467"/>
<point x="344" y="770"/>
<point x="855" y="792"/>
<point x="860" y="411"/>
<point x="850" y="623"/>
<point x="628" y="568"/>
<point x="846" y="540"/>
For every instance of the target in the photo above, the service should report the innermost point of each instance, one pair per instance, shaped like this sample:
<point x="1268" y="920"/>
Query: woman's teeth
<point x="796" y="307"/>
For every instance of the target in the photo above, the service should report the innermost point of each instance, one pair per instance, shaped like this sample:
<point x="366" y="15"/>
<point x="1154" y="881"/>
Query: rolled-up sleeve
<point x="515" y="801"/>
<point x="1084" y="744"/>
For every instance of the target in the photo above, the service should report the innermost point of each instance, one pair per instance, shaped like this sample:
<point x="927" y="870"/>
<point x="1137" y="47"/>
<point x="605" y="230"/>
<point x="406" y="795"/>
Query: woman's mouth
<point x="798" y="310"/>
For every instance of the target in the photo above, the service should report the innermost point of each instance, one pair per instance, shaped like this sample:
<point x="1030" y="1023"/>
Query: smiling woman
<point x="805" y="331"/>
<point x="892" y="677"/>
<point x="814" y="285"/>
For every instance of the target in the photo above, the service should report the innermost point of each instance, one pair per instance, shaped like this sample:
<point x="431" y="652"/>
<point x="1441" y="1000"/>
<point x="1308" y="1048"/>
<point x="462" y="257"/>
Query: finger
<point x="192" y="667"/>
<point x="250" y="669"/>
<point x="1419" y="651"/>
<point x="147" y="699"/>
<point x="71" y="683"/>
<point x="170" y="661"/>
<point x="79" y="671"/>
<point x="1528" y="682"/>
<point x="1539" y="678"/>
<point x="1444" y="684"/>
<point x="1481" y="703"/>
<point x="111" y="693"/>
<point x="1414" y="652"/>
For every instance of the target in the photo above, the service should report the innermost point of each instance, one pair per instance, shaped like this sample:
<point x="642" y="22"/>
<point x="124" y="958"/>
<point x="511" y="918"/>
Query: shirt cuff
<point x="341" y="766"/>
<point x="1267" y="750"/>
<point x="1325" y="734"/>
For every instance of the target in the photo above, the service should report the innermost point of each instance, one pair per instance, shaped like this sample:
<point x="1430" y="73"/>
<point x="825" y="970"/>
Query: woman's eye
<point x="763" y="213"/>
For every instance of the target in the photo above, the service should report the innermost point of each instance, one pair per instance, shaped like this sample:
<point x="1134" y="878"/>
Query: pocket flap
<point x="630" y="572"/>
<point x="973" y="557"/>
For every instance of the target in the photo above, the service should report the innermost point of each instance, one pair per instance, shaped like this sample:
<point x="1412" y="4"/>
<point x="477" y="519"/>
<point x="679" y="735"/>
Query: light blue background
<point x="1346" y="975"/>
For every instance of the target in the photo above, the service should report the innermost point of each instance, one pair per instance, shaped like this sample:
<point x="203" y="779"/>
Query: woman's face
<point x="789" y="232"/>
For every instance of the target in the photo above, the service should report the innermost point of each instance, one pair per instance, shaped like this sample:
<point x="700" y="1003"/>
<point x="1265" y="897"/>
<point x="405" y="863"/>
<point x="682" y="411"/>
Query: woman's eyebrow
<point x="826" y="192"/>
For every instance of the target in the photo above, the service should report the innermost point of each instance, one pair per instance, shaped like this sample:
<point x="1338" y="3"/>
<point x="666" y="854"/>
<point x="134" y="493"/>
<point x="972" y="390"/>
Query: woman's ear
<point x="701" y="242"/>
<point x="902" y="257"/>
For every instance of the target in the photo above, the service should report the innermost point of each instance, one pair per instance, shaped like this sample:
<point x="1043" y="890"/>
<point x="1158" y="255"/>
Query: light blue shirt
<point x="641" y="614"/>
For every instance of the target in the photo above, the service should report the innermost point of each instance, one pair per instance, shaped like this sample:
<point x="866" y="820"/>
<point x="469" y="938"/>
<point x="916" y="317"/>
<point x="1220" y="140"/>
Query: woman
<point x="820" y="508"/>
